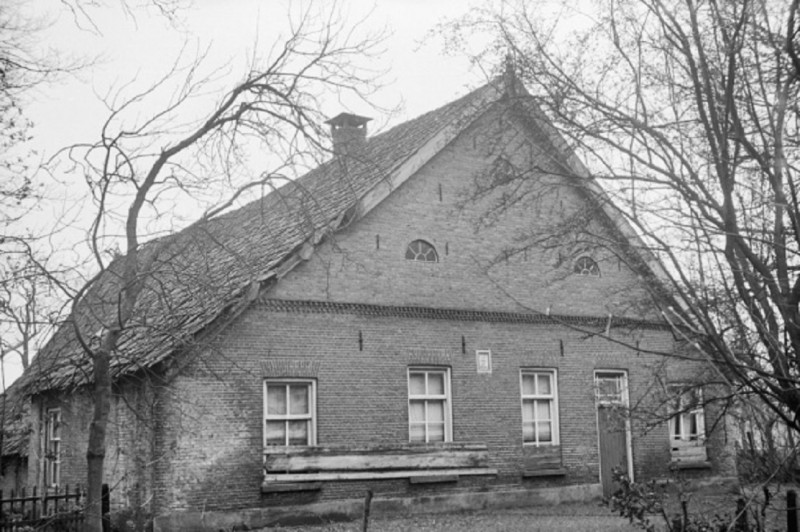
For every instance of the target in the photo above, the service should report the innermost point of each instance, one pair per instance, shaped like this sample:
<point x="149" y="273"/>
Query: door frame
<point x="625" y="402"/>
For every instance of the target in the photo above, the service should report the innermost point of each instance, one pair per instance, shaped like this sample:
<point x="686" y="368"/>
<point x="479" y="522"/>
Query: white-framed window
<point x="289" y="412"/>
<point x="609" y="387"/>
<point x="687" y="432"/>
<point x="586" y="266"/>
<point x="52" y="447"/>
<point x="429" y="413"/>
<point x="539" y="406"/>
<point x="421" y="251"/>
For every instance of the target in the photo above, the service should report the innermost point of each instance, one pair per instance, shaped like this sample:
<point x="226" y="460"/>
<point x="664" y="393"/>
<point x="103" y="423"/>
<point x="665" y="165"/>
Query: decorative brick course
<point x="289" y="367"/>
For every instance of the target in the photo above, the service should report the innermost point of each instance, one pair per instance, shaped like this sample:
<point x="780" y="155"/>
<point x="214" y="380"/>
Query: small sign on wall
<point x="483" y="360"/>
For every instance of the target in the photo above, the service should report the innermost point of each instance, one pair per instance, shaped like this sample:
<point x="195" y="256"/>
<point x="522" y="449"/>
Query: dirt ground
<point x="584" y="517"/>
<point x="577" y="517"/>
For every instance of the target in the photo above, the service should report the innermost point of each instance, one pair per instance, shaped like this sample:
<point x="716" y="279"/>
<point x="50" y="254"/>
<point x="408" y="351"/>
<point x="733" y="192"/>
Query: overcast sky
<point x="139" y="47"/>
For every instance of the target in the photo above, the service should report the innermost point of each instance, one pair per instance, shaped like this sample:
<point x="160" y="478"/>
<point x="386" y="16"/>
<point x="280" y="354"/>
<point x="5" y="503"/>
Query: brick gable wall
<point x="366" y="262"/>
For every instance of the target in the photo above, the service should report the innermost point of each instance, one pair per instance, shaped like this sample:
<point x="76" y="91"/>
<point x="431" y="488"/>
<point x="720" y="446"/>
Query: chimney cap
<point x="347" y="120"/>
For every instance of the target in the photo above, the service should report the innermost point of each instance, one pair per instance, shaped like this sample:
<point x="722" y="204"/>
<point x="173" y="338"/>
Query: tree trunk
<point x="95" y="453"/>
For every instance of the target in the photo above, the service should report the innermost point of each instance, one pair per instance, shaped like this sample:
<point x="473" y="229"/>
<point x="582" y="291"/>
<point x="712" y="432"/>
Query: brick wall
<point x="129" y="443"/>
<point x="362" y="398"/>
<point x="446" y="203"/>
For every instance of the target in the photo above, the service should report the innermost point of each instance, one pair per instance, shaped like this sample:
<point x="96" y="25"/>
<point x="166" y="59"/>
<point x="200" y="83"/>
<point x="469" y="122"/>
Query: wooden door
<point x="611" y="393"/>
<point x="613" y="445"/>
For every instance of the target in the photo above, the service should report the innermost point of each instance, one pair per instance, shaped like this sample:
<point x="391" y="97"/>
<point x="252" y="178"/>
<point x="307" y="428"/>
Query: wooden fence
<point x="46" y="510"/>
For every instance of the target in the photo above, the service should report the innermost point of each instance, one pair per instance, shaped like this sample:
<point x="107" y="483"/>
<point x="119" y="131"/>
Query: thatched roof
<point x="211" y="269"/>
<point x="14" y="414"/>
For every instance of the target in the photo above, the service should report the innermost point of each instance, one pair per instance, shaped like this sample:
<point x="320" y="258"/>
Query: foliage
<point x="685" y="112"/>
<point x="636" y="502"/>
<point x="766" y="465"/>
<point x="640" y="503"/>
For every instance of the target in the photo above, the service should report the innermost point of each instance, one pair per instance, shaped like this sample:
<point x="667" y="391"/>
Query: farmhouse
<point x="450" y="313"/>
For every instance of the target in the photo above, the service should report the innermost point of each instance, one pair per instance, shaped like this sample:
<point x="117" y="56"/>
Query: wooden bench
<point x="422" y="463"/>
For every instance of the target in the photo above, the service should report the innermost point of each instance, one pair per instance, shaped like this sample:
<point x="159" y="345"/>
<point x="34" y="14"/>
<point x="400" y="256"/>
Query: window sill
<point x="284" y="487"/>
<point x="539" y="473"/>
<point x="433" y="479"/>
<point x="689" y="464"/>
<point x="270" y="478"/>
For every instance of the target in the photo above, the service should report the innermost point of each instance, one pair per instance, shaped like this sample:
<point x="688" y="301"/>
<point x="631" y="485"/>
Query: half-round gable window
<point x="421" y="251"/>
<point x="586" y="266"/>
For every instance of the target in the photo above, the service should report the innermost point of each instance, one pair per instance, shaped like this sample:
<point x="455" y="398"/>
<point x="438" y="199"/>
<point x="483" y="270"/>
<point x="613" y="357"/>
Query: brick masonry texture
<point x="203" y="420"/>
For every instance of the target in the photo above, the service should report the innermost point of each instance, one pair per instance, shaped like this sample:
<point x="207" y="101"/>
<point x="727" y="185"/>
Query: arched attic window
<point x="586" y="266"/>
<point x="421" y="251"/>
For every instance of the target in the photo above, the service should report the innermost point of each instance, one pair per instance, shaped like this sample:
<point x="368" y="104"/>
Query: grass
<point x="573" y="517"/>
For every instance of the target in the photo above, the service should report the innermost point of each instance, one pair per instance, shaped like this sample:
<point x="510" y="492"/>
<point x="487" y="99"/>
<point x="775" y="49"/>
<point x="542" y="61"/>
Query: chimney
<point x="348" y="132"/>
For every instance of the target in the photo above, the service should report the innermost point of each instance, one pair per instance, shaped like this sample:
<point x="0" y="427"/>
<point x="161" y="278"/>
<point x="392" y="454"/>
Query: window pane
<point x="416" y="383"/>
<point x="416" y="432"/>
<point x="527" y="432"/>
<point x="542" y="410"/>
<point x="609" y="388"/>
<point x="545" y="431"/>
<point x="527" y="411"/>
<point x="435" y="411"/>
<point x="693" y="426"/>
<point x="436" y="432"/>
<point x="416" y="411"/>
<point x="298" y="400"/>
<point x="544" y="384"/>
<point x="298" y="432"/>
<point x="276" y="399"/>
<point x="55" y="429"/>
<point x="528" y="385"/>
<point x="420" y="250"/>
<point x="276" y="433"/>
<point x="435" y="383"/>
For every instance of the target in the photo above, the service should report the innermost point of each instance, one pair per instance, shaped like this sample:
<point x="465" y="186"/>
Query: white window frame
<point x="420" y="252"/>
<point x="620" y="398"/>
<point x="684" y="445"/>
<point x="310" y="417"/>
<point x="52" y="447"/>
<point x="427" y="398"/>
<point x="552" y="397"/>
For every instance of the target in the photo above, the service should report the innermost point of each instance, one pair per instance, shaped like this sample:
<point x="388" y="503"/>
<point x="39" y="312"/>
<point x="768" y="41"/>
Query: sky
<point x="123" y="49"/>
<point x="141" y="46"/>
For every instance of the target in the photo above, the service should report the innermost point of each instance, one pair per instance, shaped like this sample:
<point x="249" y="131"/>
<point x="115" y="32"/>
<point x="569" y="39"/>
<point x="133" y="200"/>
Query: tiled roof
<point x="208" y="270"/>
<point x="14" y="413"/>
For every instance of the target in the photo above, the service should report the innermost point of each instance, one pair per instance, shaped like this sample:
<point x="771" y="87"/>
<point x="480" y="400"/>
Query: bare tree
<point x="686" y="112"/>
<point x="153" y="155"/>
<point x="23" y="306"/>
